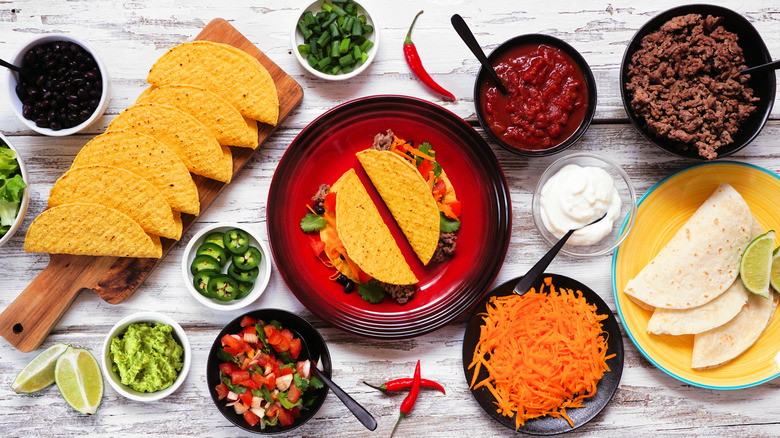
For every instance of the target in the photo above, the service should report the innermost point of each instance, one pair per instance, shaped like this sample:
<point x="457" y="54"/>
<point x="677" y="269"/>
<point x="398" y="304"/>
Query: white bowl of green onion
<point x="335" y="39"/>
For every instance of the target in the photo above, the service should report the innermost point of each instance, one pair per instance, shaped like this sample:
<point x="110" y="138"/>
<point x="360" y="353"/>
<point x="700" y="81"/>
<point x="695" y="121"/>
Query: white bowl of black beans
<point x="63" y="88"/>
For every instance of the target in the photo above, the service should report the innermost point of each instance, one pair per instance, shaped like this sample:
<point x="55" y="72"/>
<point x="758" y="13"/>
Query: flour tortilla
<point x="365" y="236"/>
<point x="716" y="347"/>
<point x="407" y="196"/>
<point x="701" y="261"/>
<point x="708" y="316"/>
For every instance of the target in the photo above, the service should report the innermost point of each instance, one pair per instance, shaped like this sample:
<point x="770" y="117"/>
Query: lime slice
<point x="774" y="279"/>
<point x="79" y="380"/>
<point x="756" y="265"/>
<point x="39" y="373"/>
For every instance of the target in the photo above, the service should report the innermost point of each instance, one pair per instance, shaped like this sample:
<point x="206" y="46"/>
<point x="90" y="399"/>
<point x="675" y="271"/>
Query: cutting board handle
<point x="35" y="312"/>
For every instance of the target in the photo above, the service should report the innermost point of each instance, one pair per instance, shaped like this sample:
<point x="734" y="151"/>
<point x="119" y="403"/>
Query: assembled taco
<point x="356" y="242"/>
<point x="417" y="192"/>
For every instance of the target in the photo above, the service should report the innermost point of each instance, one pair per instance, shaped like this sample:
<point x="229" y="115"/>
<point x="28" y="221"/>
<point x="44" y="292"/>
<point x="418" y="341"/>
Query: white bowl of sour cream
<point x="578" y="189"/>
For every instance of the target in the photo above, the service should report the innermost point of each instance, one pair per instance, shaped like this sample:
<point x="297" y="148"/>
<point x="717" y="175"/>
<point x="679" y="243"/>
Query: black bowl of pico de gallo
<point x="259" y="375"/>
<point x="550" y="99"/>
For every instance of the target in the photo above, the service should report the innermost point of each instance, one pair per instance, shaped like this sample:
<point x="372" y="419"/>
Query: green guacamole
<point x="147" y="357"/>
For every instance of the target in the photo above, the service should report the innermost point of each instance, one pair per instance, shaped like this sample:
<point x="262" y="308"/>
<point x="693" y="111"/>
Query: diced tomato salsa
<point x="261" y="377"/>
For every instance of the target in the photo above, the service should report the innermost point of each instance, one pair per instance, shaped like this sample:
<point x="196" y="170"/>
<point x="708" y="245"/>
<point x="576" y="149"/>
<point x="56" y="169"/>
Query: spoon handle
<point x="538" y="269"/>
<point x="763" y="67"/>
<point x="7" y="64"/>
<point x="465" y="34"/>
<point x="359" y="411"/>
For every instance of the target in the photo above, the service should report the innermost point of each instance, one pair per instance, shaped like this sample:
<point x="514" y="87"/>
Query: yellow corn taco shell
<point x="181" y="133"/>
<point x="407" y="196"/>
<point x="90" y="229"/>
<point x="221" y="118"/>
<point x="148" y="158"/>
<point x="122" y="190"/>
<point x="365" y="236"/>
<point x="224" y="70"/>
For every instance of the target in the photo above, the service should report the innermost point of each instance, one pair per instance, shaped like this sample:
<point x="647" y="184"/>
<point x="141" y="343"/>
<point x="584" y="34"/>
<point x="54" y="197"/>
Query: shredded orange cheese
<point x="543" y="353"/>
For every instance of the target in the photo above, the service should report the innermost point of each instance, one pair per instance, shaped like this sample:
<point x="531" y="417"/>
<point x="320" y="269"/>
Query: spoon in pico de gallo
<point x="357" y="410"/>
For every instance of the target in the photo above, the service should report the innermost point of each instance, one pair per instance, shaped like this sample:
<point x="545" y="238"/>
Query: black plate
<point x="592" y="406"/>
<point x="755" y="52"/>
<point x="288" y="320"/>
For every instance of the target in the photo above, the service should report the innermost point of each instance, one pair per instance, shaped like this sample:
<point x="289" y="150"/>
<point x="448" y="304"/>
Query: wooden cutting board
<point x="30" y="318"/>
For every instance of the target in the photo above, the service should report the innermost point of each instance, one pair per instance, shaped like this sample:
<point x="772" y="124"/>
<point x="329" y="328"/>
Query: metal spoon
<point x="774" y="65"/>
<point x="465" y="34"/>
<point x="357" y="410"/>
<point x="22" y="71"/>
<point x="533" y="274"/>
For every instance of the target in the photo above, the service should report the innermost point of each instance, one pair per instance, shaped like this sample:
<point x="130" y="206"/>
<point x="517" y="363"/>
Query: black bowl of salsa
<point x="550" y="100"/>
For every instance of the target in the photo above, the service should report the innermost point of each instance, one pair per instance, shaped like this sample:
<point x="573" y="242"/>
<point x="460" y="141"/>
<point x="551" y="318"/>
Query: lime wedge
<point x="756" y="265"/>
<point x="79" y="380"/>
<point x="39" y="373"/>
<point x="774" y="279"/>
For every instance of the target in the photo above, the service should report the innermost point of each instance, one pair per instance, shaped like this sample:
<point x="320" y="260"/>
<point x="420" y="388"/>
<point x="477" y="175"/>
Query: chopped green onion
<point x="304" y="49"/>
<point x="312" y="61"/>
<point x="346" y="60"/>
<point x="324" y="62"/>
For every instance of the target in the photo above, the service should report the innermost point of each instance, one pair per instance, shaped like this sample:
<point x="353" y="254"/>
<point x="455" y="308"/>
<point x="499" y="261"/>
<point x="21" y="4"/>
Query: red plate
<point x="326" y="149"/>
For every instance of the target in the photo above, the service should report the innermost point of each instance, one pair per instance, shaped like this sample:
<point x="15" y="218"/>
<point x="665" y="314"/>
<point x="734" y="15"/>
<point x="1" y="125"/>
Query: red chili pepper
<point x="411" y="398"/>
<point x="413" y="59"/>
<point x="401" y="384"/>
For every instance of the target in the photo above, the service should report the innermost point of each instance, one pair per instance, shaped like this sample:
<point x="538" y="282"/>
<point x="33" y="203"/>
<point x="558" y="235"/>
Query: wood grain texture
<point x="131" y="35"/>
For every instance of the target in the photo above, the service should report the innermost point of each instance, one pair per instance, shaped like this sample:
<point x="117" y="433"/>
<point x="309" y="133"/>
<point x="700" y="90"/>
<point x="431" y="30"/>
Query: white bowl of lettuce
<point x="14" y="196"/>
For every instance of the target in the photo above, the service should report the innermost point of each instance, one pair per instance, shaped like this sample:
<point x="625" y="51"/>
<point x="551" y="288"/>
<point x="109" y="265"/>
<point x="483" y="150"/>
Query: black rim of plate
<point x="756" y="53"/>
<point x="295" y="323"/>
<point x="371" y="324"/>
<point x="605" y="389"/>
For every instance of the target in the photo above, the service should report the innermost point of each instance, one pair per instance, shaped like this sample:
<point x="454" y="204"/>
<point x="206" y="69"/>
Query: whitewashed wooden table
<point x="130" y="35"/>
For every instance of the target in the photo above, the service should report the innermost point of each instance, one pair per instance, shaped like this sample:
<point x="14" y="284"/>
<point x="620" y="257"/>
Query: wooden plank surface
<point x="131" y="35"/>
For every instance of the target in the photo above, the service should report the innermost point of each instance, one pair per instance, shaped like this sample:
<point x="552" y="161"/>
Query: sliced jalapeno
<point x="213" y="250"/>
<point x="204" y="263"/>
<point x="249" y="259"/>
<point x="244" y="288"/>
<point x="236" y="241"/>
<point x="201" y="281"/>
<point x="222" y="287"/>
<point x="216" y="238"/>
<point x="242" y="275"/>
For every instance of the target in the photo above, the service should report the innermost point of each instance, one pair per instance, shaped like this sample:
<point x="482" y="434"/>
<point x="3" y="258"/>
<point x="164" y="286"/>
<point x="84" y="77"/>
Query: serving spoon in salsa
<point x="356" y="408"/>
<point x="465" y="34"/>
<point x="533" y="274"/>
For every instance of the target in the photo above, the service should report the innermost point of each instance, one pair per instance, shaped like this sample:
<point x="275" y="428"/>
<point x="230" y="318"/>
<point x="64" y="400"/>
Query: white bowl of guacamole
<point x="146" y="356"/>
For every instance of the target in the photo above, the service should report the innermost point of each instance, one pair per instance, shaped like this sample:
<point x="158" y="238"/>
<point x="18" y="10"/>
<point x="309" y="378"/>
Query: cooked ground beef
<point x="321" y="193"/>
<point x="401" y="294"/>
<point x="382" y="142"/>
<point x="446" y="247"/>
<point x="684" y="82"/>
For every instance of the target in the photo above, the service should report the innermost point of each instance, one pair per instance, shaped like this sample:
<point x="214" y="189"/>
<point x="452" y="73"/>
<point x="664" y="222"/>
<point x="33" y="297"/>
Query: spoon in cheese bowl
<point x="533" y="274"/>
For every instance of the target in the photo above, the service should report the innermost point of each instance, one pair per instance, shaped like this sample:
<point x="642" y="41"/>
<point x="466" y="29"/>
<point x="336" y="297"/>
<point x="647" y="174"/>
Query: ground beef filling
<point x="684" y="82"/>
<point x="321" y="193"/>
<point x="401" y="294"/>
<point x="446" y="247"/>
<point x="382" y="142"/>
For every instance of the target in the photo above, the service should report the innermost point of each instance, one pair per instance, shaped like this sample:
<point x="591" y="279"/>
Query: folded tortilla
<point x="408" y="197"/>
<point x="708" y="316"/>
<point x="365" y="236"/>
<point x="716" y="347"/>
<point x="701" y="261"/>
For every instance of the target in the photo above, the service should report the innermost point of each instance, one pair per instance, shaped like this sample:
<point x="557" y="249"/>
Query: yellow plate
<point x="661" y="212"/>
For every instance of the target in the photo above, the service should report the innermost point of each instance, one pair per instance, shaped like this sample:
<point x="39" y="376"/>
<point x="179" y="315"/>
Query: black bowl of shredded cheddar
<point x="546" y="362"/>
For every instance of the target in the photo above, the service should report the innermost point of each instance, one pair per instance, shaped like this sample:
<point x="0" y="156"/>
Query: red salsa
<point x="546" y="97"/>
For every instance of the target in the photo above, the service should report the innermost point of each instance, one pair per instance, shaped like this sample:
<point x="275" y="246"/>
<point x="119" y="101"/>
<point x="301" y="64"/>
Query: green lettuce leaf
<point x="8" y="164"/>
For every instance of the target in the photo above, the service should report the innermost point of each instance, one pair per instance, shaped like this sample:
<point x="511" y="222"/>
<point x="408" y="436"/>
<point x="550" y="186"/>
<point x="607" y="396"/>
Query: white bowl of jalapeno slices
<point x="226" y="266"/>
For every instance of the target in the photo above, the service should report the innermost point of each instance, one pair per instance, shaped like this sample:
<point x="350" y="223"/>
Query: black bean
<point x="319" y="209"/>
<point x="27" y="111"/>
<point x="41" y="122"/>
<point x="349" y="286"/>
<point x="342" y="279"/>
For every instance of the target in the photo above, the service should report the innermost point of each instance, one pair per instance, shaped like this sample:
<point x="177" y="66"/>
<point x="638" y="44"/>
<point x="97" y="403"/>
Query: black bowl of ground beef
<point x="681" y="86"/>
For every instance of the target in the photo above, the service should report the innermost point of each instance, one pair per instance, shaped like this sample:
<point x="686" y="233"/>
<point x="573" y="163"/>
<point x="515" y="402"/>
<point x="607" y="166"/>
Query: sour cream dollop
<point x="576" y="196"/>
